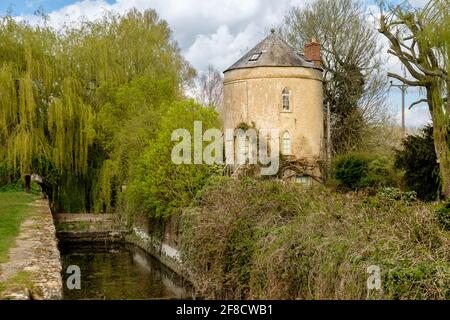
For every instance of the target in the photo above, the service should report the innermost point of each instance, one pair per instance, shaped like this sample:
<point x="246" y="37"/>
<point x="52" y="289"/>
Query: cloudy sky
<point x="213" y="32"/>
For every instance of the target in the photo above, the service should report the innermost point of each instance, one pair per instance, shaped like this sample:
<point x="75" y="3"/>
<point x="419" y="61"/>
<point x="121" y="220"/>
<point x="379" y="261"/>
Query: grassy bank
<point x="267" y="240"/>
<point x="14" y="209"/>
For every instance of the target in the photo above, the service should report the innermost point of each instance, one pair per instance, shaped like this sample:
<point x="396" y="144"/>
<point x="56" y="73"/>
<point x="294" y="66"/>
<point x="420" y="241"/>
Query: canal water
<point x="117" y="272"/>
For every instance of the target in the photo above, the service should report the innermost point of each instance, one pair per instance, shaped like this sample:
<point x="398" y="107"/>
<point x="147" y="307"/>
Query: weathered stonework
<point x="37" y="256"/>
<point x="253" y="94"/>
<point x="81" y="227"/>
<point x="160" y="241"/>
<point x="165" y="253"/>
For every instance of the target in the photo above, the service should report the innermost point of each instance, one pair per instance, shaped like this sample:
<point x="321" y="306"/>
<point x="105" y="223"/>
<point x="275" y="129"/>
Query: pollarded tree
<point x="420" y="40"/>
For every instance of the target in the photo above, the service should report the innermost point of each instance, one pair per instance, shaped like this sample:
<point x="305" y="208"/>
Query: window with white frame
<point x="286" y="144"/>
<point x="304" y="180"/>
<point x="286" y="100"/>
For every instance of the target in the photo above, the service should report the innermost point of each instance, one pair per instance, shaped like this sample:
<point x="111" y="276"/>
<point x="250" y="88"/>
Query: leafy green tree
<point x="159" y="187"/>
<point x="78" y="106"/>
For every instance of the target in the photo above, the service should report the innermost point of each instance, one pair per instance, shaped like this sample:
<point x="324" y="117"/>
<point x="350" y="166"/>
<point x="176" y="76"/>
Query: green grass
<point x="14" y="209"/>
<point x="19" y="281"/>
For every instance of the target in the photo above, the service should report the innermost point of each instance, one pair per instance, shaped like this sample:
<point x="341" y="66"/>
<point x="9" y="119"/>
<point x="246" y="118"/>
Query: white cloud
<point x="229" y="41"/>
<point x="72" y="14"/>
<point x="187" y="18"/>
<point x="418" y="3"/>
<point x="214" y="32"/>
<point x="208" y="32"/>
<point x="221" y="48"/>
<point x="415" y="118"/>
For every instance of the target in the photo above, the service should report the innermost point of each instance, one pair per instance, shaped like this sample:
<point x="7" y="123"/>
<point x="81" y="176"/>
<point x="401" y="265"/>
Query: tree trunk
<point x="443" y="156"/>
<point x="440" y="135"/>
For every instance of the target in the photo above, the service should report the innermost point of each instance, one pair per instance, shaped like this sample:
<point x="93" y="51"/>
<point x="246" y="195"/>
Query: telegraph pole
<point x="403" y="87"/>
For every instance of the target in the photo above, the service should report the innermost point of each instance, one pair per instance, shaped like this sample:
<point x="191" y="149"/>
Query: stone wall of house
<point x="254" y="96"/>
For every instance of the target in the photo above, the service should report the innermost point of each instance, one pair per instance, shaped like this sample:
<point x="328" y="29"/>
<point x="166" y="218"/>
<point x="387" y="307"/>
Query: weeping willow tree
<point x="44" y="122"/>
<point x="420" y="39"/>
<point x="77" y="105"/>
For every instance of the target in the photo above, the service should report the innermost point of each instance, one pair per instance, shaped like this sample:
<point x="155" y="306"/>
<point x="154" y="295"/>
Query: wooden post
<point x="27" y="183"/>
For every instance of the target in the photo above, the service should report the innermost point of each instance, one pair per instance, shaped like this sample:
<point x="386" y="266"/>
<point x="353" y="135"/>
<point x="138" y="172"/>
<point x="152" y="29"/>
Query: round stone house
<point x="275" y="87"/>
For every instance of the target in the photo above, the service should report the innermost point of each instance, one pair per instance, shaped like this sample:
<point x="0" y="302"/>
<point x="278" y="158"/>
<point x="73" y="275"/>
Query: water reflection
<point x="120" y="272"/>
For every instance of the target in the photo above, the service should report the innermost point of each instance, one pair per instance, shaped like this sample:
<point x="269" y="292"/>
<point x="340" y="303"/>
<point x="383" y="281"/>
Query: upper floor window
<point x="286" y="99"/>
<point x="286" y="144"/>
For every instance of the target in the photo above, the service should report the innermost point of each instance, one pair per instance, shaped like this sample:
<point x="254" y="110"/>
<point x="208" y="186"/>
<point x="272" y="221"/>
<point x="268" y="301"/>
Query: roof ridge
<point x="275" y="52"/>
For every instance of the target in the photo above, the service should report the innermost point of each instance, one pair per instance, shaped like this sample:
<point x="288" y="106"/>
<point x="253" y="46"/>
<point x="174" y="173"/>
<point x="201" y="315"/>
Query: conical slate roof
<point x="273" y="52"/>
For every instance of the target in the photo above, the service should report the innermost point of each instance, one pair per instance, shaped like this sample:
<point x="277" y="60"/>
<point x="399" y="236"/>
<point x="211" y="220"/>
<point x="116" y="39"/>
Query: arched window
<point x="286" y="99"/>
<point x="286" y="144"/>
<point x="247" y="150"/>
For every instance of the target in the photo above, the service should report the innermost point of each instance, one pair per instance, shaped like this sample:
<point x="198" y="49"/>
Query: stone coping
<point x="36" y="258"/>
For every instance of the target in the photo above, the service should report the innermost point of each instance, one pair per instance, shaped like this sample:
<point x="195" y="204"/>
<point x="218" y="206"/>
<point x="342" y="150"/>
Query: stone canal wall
<point x="82" y="227"/>
<point x="33" y="270"/>
<point x="166" y="253"/>
<point x="158" y="239"/>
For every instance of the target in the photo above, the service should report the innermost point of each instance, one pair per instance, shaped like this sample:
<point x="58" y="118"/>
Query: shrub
<point x="418" y="160"/>
<point x="443" y="215"/>
<point x="351" y="170"/>
<point x="7" y="174"/>
<point x="18" y="186"/>
<point x="413" y="281"/>
<point x="269" y="240"/>
<point x="359" y="170"/>
<point x="395" y="194"/>
<point x="3" y="173"/>
<point x="381" y="173"/>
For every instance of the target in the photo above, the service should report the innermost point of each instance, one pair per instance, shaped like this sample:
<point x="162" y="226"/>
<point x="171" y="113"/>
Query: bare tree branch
<point x="438" y="73"/>
<point x="396" y="49"/>
<point x="354" y="84"/>
<point x="210" y="90"/>
<point x="417" y="102"/>
<point x="406" y="81"/>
